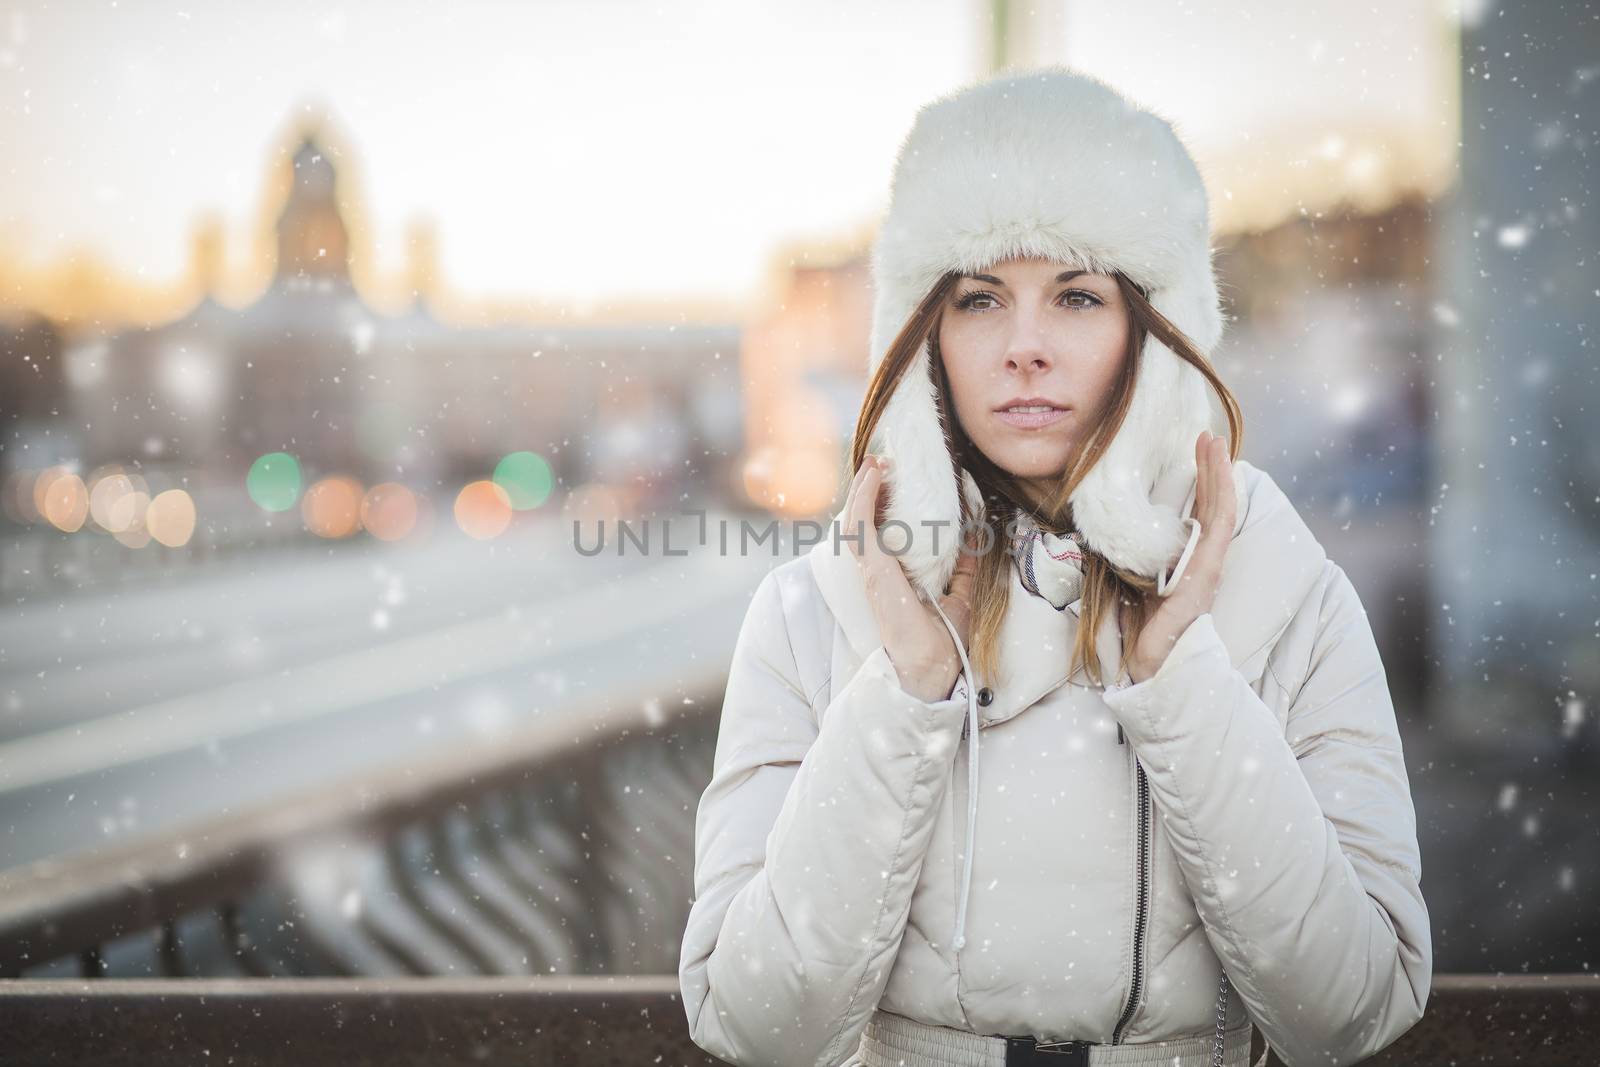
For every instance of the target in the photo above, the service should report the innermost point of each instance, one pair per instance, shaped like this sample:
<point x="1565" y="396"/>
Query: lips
<point x="1030" y="413"/>
<point x="1031" y="420"/>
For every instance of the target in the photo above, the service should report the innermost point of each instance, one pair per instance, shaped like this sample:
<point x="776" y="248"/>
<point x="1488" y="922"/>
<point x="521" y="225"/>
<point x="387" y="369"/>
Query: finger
<point x="864" y="521"/>
<point x="1228" y="511"/>
<point x="1213" y="481"/>
<point x="1217" y="453"/>
<point x="893" y="600"/>
<point x="883" y="465"/>
<point x="1221" y="510"/>
<point x="856" y="524"/>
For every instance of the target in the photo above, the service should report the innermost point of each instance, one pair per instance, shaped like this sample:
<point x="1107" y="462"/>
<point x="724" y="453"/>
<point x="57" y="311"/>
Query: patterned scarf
<point x="1049" y="565"/>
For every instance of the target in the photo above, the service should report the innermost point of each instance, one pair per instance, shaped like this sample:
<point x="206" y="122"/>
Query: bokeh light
<point x="794" y="481"/>
<point x="332" y="507"/>
<point x="170" y="518"/>
<point x="136" y="534"/>
<point x="483" y="510"/>
<point x="41" y="487"/>
<point x="17" y="497"/>
<point x="128" y="511"/>
<point x="526" y="478"/>
<point x="389" y="511"/>
<point x="64" y="500"/>
<point x="106" y="493"/>
<point x="274" y="481"/>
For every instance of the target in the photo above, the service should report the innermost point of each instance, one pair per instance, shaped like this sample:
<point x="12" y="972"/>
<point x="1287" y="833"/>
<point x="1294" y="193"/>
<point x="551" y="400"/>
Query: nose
<point x="1026" y="349"/>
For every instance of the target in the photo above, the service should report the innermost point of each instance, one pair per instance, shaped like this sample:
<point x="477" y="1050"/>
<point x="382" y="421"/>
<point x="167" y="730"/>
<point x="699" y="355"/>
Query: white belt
<point x="895" y="1041"/>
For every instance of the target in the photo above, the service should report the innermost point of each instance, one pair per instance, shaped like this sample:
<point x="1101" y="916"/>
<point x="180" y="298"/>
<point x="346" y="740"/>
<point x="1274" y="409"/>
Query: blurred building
<point x="1329" y="350"/>
<point x="1515" y="527"/>
<point x="803" y="365"/>
<point x="312" y="370"/>
<point x="33" y="390"/>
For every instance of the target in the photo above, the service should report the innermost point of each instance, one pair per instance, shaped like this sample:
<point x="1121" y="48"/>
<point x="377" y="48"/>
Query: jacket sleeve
<point x="1298" y="845"/>
<point x="808" y="845"/>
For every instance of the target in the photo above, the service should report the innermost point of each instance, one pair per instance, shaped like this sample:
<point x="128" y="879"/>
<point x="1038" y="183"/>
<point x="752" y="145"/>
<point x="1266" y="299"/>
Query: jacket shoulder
<point x="1331" y="612"/>
<point x="788" y="602"/>
<point x="1260" y="498"/>
<point x="1274" y="562"/>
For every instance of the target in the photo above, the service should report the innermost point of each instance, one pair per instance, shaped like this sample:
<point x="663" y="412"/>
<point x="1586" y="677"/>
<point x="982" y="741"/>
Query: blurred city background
<point x="321" y="327"/>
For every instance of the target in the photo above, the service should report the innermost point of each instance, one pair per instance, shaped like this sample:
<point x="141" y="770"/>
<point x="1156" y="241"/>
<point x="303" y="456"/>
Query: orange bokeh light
<point x="389" y="511"/>
<point x="797" y="481"/>
<point x="332" y="507"/>
<point x="483" y="510"/>
<point x="170" y="518"/>
<point x="63" y="499"/>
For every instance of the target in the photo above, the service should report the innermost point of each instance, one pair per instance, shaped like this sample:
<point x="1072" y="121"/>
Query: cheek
<point x="964" y="364"/>
<point x="967" y="386"/>
<point x="1098" y="351"/>
<point x="1107" y="367"/>
<point x="1099" y="338"/>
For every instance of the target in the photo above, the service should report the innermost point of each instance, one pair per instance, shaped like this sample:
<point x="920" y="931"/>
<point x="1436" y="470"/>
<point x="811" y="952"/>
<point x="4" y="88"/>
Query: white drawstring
<point x="960" y="938"/>
<point x="1163" y="582"/>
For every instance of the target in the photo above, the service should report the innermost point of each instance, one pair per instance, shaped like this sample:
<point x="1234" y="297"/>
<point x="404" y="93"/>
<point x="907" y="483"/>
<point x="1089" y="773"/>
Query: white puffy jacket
<point x="1247" y="805"/>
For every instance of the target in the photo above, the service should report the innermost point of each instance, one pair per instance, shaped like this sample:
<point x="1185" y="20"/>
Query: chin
<point x="1036" y="472"/>
<point x="1032" y="466"/>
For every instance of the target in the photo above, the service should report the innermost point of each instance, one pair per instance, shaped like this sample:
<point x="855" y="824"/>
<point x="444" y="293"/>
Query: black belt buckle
<point x="1028" y="1052"/>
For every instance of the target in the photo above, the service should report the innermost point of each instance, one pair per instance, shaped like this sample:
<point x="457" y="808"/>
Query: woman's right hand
<point x="914" y="636"/>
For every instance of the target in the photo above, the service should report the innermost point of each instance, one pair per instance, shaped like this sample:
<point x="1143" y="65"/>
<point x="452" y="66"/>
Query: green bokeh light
<point x="526" y="478"/>
<point x="274" y="481"/>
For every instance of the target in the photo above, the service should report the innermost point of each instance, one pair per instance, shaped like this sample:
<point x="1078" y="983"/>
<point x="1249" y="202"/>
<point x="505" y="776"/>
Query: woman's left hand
<point x="1216" y="510"/>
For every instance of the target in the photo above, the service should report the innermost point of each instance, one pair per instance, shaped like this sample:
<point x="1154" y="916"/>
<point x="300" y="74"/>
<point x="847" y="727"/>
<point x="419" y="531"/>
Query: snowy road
<point x="148" y="709"/>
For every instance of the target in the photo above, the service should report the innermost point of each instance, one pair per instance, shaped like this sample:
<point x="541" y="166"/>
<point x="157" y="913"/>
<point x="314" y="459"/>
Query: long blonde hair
<point x="1106" y="587"/>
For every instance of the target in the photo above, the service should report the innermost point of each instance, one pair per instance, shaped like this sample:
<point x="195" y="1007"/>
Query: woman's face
<point x="1031" y="333"/>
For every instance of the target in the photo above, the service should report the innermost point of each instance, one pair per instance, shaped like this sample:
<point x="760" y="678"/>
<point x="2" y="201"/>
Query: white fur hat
<point x="1053" y="163"/>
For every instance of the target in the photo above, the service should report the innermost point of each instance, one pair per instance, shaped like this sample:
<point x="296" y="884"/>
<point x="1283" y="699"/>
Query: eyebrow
<point x="1064" y="276"/>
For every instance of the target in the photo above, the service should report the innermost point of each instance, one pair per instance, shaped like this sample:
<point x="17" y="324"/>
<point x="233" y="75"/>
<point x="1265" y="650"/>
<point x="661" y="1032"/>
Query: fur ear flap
<point x="922" y="519"/>
<point x="1112" y="505"/>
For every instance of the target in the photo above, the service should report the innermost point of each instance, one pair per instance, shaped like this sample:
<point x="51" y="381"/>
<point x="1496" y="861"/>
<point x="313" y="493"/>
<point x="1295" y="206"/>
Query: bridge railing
<point x="566" y="847"/>
<point x="1527" y="1020"/>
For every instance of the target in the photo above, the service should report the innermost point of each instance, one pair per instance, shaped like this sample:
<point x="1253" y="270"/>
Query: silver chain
<point x="1222" y="1021"/>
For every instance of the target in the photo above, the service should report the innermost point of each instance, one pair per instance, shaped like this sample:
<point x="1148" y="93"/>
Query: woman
<point x="1191" y="782"/>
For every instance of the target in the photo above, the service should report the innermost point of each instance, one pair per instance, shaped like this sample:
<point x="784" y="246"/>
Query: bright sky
<point x="575" y="148"/>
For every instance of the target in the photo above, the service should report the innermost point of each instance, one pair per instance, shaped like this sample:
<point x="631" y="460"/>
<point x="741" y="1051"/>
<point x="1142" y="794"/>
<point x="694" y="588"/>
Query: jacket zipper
<point x="1136" y="986"/>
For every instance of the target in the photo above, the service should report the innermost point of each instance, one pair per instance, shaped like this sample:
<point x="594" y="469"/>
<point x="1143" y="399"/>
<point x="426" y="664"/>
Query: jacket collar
<point x="1270" y="567"/>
